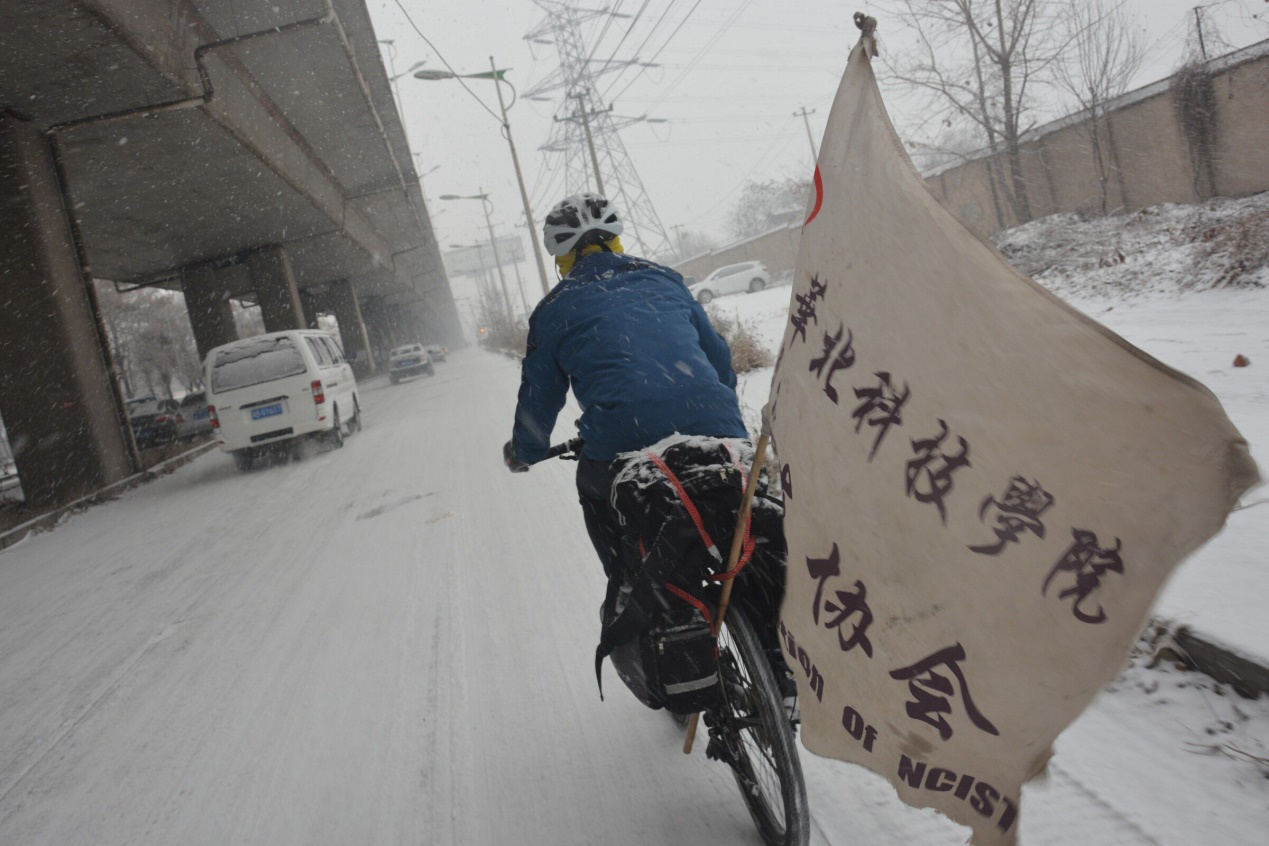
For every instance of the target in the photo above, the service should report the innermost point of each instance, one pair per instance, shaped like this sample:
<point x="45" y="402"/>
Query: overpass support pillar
<point x="378" y="330"/>
<point x="210" y="313"/>
<point x="310" y="306"/>
<point x="342" y="300"/>
<point x="276" y="290"/>
<point x="65" y="417"/>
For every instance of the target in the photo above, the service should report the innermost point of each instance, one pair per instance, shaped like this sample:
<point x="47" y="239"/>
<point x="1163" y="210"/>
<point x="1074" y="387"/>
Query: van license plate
<point x="266" y="411"/>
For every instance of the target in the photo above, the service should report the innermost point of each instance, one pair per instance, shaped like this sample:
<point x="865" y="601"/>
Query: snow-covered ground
<point x="393" y="643"/>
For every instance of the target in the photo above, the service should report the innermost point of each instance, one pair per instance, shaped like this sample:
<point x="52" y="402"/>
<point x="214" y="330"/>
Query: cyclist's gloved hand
<point x="514" y="464"/>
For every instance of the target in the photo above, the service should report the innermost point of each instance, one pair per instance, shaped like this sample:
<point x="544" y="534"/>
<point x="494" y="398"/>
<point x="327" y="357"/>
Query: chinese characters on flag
<point x="984" y="489"/>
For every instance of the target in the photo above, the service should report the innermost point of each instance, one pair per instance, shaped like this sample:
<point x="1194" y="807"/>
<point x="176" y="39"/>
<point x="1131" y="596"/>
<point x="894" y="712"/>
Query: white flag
<point x="984" y="488"/>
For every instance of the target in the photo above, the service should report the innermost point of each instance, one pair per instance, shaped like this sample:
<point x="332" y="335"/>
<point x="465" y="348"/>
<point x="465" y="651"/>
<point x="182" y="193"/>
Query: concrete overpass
<point x="245" y="151"/>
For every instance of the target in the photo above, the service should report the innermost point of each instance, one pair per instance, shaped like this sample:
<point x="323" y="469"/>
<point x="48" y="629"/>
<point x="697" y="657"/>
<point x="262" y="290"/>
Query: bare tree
<point x="151" y="339"/>
<point x="763" y="206"/>
<point x="689" y="243"/>
<point x="954" y="144"/>
<point x="1104" y="55"/>
<point x="115" y="318"/>
<point x="982" y="61"/>
<point x="1194" y="98"/>
<point x="248" y="321"/>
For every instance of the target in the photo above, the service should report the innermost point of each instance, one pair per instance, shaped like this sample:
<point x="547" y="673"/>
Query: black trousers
<point x="594" y="486"/>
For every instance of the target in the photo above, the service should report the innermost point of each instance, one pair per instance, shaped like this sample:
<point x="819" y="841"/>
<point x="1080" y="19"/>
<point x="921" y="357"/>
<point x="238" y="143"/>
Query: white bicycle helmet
<point x="574" y="218"/>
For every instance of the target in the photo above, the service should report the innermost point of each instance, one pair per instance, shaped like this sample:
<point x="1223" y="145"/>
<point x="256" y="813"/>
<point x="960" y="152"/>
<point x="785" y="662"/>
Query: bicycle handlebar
<point x="569" y="450"/>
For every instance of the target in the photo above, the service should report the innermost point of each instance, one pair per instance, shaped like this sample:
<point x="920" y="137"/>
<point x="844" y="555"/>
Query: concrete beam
<point x="276" y="290"/>
<point x="63" y="411"/>
<point x="211" y="314"/>
<point x="167" y="35"/>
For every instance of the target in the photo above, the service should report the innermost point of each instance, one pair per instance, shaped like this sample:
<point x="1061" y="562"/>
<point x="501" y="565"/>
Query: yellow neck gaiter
<point x="565" y="263"/>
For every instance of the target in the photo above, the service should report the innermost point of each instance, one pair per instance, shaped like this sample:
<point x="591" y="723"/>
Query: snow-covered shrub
<point x="747" y="349"/>
<point x="1233" y="252"/>
<point x="1163" y="248"/>
<point x="508" y="339"/>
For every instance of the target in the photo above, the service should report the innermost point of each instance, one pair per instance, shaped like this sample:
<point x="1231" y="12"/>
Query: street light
<point x="392" y="55"/>
<point x="486" y="204"/>
<point x="499" y="75"/>
<point x="418" y="161"/>
<point x="393" y="76"/>
<point x="411" y="69"/>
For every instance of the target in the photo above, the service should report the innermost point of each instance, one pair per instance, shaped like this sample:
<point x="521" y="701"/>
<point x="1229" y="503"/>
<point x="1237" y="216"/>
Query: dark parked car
<point x="154" y="421"/>
<point x="8" y="474"/>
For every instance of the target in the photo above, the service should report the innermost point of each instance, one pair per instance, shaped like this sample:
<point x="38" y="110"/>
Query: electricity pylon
<point x="587" y="132"/>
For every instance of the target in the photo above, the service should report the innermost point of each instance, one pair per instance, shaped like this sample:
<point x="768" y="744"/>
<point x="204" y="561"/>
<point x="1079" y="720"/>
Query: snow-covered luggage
<point x="677" y="502"/>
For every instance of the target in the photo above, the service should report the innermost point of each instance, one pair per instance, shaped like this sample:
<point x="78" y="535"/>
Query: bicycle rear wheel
<point x="757" y="736"/>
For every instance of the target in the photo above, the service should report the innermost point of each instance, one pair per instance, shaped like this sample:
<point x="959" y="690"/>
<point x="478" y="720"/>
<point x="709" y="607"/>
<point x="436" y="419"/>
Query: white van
<point x="274" y="388"/>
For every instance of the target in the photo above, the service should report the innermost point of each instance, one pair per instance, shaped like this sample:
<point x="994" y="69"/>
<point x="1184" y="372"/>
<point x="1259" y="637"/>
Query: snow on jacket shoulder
<point x="640" y="354"/>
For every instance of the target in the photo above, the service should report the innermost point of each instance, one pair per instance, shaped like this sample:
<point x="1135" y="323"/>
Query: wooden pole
<point x="737" y="543"/>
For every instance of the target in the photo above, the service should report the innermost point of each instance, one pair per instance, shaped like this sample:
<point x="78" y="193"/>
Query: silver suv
<point x="751" y="276"/>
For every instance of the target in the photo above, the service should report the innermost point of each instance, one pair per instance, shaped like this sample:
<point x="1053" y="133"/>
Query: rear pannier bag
<point x="677" y="502"/>
<point x="673" y="662"/>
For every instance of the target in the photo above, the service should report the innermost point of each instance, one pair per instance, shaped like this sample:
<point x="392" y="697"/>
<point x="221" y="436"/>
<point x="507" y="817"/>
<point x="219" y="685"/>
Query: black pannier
<point x="677" y="502"/>
<point x="670" y="659"/>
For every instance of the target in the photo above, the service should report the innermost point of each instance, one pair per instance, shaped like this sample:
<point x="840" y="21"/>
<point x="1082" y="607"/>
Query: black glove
<point x="514" y="464"/>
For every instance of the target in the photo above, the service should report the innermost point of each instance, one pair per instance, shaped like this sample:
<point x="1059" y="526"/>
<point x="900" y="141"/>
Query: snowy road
<point x="392" y="644"/>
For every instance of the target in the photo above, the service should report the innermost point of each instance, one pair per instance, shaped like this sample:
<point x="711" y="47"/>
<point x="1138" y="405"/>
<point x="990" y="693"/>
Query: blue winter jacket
<point x="640" y="354"/>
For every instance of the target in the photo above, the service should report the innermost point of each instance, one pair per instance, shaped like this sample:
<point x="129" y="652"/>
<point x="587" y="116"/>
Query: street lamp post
<point x="515" y="265"/>
<point x="482" y="281"/>
<point x="486" y="204"/>
<point x="497" y="76"/>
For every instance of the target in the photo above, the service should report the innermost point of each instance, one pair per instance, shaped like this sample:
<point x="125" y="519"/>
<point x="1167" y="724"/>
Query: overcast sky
<point x="731" y="74"/>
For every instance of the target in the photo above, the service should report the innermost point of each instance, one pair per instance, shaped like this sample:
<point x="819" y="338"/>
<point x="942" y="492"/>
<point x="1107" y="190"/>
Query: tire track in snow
<point x="64" y="730"/>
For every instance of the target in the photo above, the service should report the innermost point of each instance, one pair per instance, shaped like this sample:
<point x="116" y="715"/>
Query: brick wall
<point x="1149" y="162"/>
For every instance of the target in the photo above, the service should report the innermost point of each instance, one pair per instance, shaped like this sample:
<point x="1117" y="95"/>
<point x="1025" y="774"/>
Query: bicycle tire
<point x="762" y="749"/>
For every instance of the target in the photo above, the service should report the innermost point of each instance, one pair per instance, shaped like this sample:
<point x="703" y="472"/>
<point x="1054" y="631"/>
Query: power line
<point x="604" y="159"/>
<point x="704" y="50"/>
<point x="446" y="63"/>
<point x="784" y="136"/>
<point x="714" y="142"/>
<point x="624" y="36"/>
<point x="639" y="50"/>
<point x="607" y="23"/>
<point x="660" y="50"/>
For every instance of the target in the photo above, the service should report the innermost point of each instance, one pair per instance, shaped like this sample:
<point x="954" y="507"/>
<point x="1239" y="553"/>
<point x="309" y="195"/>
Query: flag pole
<point x="737" y="542"/>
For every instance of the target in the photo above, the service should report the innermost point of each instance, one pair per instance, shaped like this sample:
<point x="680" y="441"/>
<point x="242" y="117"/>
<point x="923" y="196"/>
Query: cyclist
<point x="640" y="354"/>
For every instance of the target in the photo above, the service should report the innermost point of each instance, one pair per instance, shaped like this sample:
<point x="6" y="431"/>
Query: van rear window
<point x="255" y="360"/>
